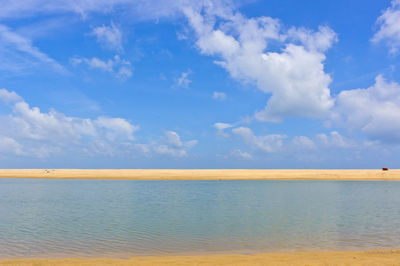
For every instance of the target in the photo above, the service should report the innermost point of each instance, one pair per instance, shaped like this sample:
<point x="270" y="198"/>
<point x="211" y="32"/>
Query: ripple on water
<point x="119" y="218"/>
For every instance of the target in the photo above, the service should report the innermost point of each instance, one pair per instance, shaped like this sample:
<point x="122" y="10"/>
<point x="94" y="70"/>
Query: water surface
<point x="44" y="217"/>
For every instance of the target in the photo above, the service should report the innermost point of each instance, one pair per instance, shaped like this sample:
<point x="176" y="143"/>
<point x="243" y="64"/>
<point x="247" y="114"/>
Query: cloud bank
<point x="28" y="131"/>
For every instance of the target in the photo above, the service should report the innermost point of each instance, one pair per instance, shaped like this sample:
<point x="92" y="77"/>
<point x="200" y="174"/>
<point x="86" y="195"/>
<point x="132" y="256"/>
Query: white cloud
<point x="9" y="97"/>
<point x="375" y="111"/>
<point x="241" y="154"/>
<point x="389" y="27"/>
<point x="333" y="140"/>
<point x="18" y="53"/>
<point x="124" y="72"/>
<point x="10" y="146"/>
<point x="280" y="144"/>
<point x="173" y="139"/>
<point x="120" y="68"/>
<point x="166" y="150"/>
<point x="220" y="127"/>
<point x="321" y="40"/>
<point x="294" y="76"/>
<point x="172" y="145"/>
<point x="219" y="96"/>
<point x="28" y="130"/>
<point x="268" y="143"/>
<point x="303" y="142"/>
<point x="109" y="37"/>
<point x="299" y="85"/>
<point x="94" y="63"/>
<point x="330" y="149"/>
<point x="183" y="80"/>
<point x="116" y="128"/>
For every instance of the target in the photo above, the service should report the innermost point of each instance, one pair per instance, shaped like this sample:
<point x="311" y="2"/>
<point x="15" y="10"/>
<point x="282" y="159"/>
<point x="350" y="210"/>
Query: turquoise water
<point x="40" y="218"/>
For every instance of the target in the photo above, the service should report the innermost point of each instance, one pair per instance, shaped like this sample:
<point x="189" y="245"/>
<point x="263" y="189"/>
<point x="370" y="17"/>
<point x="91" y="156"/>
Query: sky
<point x="199" y="84"/>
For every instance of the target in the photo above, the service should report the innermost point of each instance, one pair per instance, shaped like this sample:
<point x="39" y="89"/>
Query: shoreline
<point x="373" y="257"/>
<point x="204" y="174"/>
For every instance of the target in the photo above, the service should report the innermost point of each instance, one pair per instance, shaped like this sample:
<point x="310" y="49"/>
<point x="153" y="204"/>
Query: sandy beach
<point x="202" y="174"/>
<point x="383" y="257"/>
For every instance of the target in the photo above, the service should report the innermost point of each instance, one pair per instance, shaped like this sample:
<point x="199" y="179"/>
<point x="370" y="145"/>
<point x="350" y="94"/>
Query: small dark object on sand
<point x="385" y="169"/>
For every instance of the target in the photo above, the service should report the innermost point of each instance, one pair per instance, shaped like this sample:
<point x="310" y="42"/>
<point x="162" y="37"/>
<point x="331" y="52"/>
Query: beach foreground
<point x="202" y="174"/>
<point x="383" y="257"/>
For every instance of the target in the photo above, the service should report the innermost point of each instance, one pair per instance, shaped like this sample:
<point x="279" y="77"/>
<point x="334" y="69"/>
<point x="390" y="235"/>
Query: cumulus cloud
<point x="18" y="53"/>
<point x="300" y="86"/>
<point x="109" y="37"/>
<point x="389" y="27"/>
<point x="280" y="143"/>
<point x="375" y="111"/>
<point x="294" y="76"/>
<point x="27" y="129"/>
<point x="219" y="96"/>
<point x="323" y="147"/>
<point x="268" y="143"/>
<point x="173" y="145"/>
<point x="331" y="149"/>
<point x="120" y="68"/>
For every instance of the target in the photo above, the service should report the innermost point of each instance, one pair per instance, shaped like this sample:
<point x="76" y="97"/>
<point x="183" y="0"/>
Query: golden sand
<point x="201" y="174"/>
<point x="383" y="257"/>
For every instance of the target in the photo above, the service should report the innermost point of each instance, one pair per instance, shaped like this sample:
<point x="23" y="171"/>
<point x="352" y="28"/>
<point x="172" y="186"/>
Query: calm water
<point x="121" y="218"/>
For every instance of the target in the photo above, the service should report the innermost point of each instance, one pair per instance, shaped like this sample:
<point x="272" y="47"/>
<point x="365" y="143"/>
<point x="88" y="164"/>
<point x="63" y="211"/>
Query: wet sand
<point x="383" y="257"/>
<point x="202" y="174"/>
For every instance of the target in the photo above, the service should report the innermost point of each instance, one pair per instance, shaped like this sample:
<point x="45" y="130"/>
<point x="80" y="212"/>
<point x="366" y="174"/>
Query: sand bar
<point x="201" y="174"/>
<point x="383" y="257"/>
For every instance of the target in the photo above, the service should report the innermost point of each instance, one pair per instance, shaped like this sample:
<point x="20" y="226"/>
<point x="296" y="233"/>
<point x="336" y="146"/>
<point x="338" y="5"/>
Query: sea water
<point x="118" y="218"/>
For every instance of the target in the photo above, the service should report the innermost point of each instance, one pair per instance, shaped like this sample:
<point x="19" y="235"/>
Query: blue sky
<point x="204" y="84"/>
